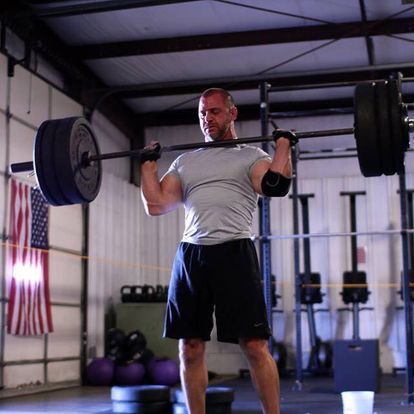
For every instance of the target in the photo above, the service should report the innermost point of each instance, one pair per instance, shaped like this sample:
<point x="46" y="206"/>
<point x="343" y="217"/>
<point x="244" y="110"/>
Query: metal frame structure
<point x="84" y="86"/>
<point x="265" y="252"/>
<point x="408" y="314"/>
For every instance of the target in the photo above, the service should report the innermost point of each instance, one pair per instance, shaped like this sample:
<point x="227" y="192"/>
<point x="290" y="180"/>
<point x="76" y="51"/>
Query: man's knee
<point x="191" y="351"/>
<point x="254" y="348"/>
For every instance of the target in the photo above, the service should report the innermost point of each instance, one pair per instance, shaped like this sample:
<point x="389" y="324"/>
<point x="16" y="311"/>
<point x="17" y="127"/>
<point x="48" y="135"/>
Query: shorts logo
<point x="258" y="324"/>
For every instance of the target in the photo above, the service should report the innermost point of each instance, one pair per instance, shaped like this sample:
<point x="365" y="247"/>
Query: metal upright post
<point x="354" y="254"/>
<point x="265" y="252"/>
<point x="406" y="292"/>
<point x="298" y="282"/>
<point x="307" y="272"/>
<point x="410" y="226"/>
<point x="84" y="290"/>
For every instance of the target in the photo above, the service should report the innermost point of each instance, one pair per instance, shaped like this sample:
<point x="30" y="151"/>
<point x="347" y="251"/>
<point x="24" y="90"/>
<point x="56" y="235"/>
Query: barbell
<point x="67" y="160"/>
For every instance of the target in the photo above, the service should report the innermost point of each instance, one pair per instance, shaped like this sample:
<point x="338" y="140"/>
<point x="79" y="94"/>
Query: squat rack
<point x="265" y="255"/>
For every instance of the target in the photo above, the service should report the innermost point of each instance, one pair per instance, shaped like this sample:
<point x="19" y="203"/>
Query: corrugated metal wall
<point x="26" y="101"/>
<point x="126" y="248"/>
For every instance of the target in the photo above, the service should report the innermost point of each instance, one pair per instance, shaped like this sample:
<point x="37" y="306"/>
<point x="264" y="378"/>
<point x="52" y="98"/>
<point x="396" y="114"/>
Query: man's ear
<point x="234" y="112"/>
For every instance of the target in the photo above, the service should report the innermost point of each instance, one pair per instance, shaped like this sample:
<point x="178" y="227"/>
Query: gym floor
<point x="316" y="397"/>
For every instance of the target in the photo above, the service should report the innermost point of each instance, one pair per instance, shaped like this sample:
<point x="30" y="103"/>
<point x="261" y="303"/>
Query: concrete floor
<point x="315" y="397"/>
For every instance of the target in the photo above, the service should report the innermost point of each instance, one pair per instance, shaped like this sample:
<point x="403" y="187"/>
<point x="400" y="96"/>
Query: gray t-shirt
<point x="218" y="194"/>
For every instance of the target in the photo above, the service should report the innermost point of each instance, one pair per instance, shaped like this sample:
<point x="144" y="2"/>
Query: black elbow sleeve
<point x="275" y="184"/>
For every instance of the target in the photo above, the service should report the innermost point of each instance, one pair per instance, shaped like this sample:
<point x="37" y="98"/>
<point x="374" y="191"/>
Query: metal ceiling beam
<point x="368" y="41"/>
<point x="51" y="9"/>
<point x="245" y="38"/>
<point x="76" y="76"/>
<point x="298" y="81"/>
<point x="250" y="112"/>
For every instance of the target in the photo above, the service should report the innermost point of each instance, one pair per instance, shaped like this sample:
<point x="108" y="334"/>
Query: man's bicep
<point x="171" y="190"/>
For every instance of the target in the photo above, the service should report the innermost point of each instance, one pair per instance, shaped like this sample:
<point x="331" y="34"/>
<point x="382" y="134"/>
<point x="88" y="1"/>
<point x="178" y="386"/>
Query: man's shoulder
<point x="254" y="151"/>
<point x="188" y="155"/>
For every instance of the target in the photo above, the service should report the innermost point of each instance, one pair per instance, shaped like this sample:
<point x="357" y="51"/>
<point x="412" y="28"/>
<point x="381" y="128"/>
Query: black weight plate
<point x="219" y="408"/>
<point x="37" y="163"/>
<point x="163" y="407"/>
<point x="45" y="165"/>
<point x="74" y="138"/>
<point x="366" y="130"/>
<point x="141" y="393"/>
<point x="400" y="136"/>
<point x="214" y="395"/>
<point x="180" y="408"/>
<point x="384" y="128"/>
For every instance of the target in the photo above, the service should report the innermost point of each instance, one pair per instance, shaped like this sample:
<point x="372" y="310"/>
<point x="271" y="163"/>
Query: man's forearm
<point x="150" y="188"/>
<point x="282" y="162"/>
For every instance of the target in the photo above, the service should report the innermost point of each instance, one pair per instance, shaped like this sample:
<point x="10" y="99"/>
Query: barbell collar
<point x="22" y="167"/>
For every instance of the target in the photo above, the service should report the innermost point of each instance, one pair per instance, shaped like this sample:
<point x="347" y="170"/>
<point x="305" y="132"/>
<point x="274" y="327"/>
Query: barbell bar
<point x="215" y="144"/>
<point x="67" y="159"/>
<point x="89" y="159"/>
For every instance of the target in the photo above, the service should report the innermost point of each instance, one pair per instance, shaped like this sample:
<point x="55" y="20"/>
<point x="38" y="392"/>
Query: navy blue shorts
<point x="224" y="279"/>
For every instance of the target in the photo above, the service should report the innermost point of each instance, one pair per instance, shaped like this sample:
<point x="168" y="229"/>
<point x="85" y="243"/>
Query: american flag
<point x="29" y="309"/>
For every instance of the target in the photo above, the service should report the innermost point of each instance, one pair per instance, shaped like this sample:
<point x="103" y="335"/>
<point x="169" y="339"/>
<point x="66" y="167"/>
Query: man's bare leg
<point x="193" y="373"/>
<point x="264" y="373"/>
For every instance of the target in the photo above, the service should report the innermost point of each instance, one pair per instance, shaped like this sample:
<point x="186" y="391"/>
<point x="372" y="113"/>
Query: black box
<point x="356" y="365"/>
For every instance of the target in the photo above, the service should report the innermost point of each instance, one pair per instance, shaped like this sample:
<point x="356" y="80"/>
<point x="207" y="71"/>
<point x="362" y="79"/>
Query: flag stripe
<point x="29" y="307"/>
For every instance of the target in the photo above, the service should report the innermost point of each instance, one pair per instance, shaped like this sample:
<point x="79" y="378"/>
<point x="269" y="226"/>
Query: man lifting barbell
<point x="216" y="267"/>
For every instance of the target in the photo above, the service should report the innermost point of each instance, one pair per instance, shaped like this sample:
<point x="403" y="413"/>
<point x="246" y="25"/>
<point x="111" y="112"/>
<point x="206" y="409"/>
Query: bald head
<point x="226" y="95"/>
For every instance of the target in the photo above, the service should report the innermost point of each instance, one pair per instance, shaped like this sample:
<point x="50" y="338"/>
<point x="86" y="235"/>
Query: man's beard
<point x="219" y="133"/>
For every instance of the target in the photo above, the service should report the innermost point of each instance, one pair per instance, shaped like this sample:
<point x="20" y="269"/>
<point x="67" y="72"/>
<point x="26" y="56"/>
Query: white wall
<point x="31" y="101"/>
<point x="110" y="139"/>
<point x="126" y="248"/>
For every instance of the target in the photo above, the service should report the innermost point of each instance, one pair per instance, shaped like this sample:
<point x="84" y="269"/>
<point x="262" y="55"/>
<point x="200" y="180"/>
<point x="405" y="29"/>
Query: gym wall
<point x="110" y="139"/>
<point x="130" y="249"/>
<point x="32" y="100"/>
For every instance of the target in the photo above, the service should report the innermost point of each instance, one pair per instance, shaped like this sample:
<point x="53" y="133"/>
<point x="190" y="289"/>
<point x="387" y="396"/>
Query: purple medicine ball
<point x="129" y="374"/>
<point x="100" y="371"/>
<point x="163" y="371"/>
